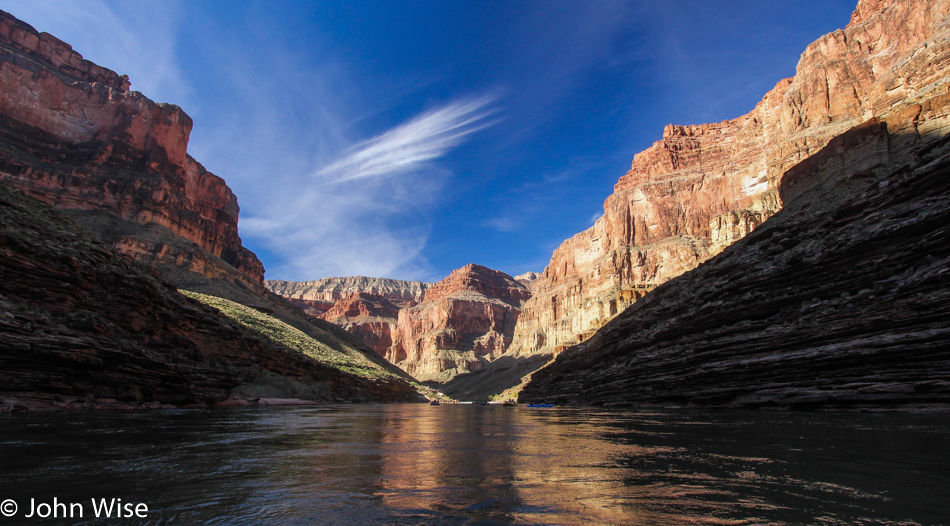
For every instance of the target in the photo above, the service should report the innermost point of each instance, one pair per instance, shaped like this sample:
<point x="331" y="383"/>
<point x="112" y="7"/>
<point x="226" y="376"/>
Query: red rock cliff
<point x="465" y="321"/>
<point x="703" y="187"/>
<point x="366" y="307"/>
<point x="74" y="135"/>
<point x="839" y="301"/>
<point x="370" y="317"/>
<point x="432" y="331"/>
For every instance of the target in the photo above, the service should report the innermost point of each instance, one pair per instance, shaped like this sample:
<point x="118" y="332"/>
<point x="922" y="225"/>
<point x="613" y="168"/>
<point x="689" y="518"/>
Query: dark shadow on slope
<point x="494" y="379"/>
<point x="83" y="326"/>
<point x="838" y="301"/>
<point x="192" y="268"/>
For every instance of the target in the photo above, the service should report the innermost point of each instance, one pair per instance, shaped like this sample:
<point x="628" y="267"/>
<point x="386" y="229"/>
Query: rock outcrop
<point x="433" y="331"/>
<point x="465" y="321"/>
<point x="82" y="323"/>
<point x="703" y="187"/>
<point x="528" y="279"/>
<point x="366" y="307"/>
<point x="370" y="317"/>
<point x="839" y="301"/>
<point x="73" y="135"/>
<point x="85" y="327"/>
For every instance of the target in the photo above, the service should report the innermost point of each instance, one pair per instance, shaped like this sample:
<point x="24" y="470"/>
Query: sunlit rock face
<point x="370" y="317"/>
<point x="328" y="291"/>
<point x="839" y="301"/>
<point x="433" y="331"/>
<point x="703" y="187"/>
<point x="366" y="307"/>
<point x="834" y="301"/>
<point x="465" y="321"/>
<point x="75" y="136"/>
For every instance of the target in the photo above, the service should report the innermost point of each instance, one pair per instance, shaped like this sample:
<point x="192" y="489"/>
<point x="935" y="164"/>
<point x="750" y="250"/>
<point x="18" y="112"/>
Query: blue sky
<point x="407" y="139"/>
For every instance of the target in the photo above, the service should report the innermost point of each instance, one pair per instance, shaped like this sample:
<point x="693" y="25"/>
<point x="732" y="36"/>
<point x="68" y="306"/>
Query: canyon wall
<point x="464" y="322"/>
<point x="433" y="331"/>
<point x="319" y="296"/>
<point x="366" y="307"/>
<point x="839" y="301"/>
<point x="72" y="134"/>
<point x="703" y="187"/>
<point x="89" y="312"/>
<point x="83" y="326"/>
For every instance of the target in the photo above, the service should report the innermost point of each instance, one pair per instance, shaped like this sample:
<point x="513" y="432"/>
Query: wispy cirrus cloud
<point x="277" y="118"/>
<point x="411" y="146"/>
<point x="365" y="211"/>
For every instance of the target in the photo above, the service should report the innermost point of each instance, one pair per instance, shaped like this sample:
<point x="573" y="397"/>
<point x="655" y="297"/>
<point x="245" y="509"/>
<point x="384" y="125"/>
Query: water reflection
<point x="420" y="464"/>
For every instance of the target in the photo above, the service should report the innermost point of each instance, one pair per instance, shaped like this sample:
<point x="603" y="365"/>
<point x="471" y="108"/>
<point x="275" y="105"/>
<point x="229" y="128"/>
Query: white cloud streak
<point x="315" y="202"/>
<point x="411" y="146"/>
<point x="365" y="212"/>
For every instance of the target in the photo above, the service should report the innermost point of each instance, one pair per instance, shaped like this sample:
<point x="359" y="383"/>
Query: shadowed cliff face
<point x="73" y="135"/>
<point x="841" y="300"/>
<point x="82" y="326"/>
<point x="702" y="187"/>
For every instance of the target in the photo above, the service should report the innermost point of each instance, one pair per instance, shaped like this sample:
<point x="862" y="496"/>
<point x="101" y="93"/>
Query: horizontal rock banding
<point x="73" y="135"/>
<point x="831" y="302"/>
<point x="703" y="187"/>
<point x="432" y="331"/>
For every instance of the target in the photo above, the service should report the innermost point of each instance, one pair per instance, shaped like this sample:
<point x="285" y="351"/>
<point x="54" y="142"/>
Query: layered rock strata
<point x="370" y="317"/>
<point x="366" y="307"/>
<point x="465" y="321"/>
<point x="433" y="331"/>
<point x="85" y="327"/>
<point x="839" y="301"/>
<point x="73" y="135"/>
<point x="319" y="296"/>
<point x="703" y="187"/>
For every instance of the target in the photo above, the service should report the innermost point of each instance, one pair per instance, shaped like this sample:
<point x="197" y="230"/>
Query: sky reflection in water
<point x="418" y="464"/>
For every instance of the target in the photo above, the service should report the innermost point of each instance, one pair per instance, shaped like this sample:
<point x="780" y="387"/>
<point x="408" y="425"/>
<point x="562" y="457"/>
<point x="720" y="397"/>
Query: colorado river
<point x="465" y="464"/>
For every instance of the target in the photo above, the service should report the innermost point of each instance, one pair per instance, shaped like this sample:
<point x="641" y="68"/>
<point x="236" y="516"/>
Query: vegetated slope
<point x="841" y="300"/>
<point x="300" y="337"/>
<point x="433" y="331"/>
<point x="82" y="326"/>
<point x="73" y="135"/>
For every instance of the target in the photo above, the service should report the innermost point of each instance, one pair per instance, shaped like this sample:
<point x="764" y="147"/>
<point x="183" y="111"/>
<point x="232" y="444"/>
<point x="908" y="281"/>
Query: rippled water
<point x="419" y="464"/>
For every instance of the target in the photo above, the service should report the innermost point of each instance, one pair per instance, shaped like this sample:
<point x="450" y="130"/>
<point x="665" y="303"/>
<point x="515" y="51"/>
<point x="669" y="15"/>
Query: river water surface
<point x="469" y="464"/>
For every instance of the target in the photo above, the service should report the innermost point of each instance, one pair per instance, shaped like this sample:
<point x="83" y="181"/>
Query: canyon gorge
<point x="433" y="331"/>
<point x="792" y="257"/>
<point x="702" y="188"/>
<point x="854" y="149"/>
<point x="91" y="317"/>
